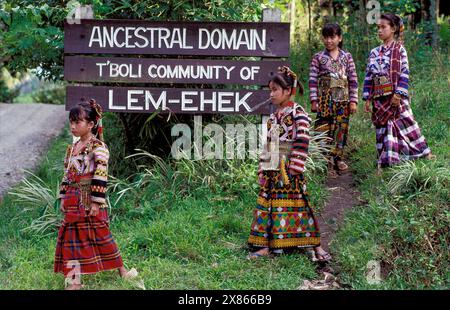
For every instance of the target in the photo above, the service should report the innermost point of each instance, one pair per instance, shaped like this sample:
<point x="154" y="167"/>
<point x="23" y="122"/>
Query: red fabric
<point x="395" y="64"/>
<point x="85" y="239"/>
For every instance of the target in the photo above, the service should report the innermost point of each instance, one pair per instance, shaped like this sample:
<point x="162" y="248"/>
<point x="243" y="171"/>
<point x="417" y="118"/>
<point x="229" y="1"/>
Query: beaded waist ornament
<point x="337" y="87"/>
<point x="276" y="159"/>
<point x="83" y="183"/>
<point x="382" y="86"/>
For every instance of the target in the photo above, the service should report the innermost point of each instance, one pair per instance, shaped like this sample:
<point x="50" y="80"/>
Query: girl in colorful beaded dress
<point x="283" y="217"/>
<point x="333" y="86"/>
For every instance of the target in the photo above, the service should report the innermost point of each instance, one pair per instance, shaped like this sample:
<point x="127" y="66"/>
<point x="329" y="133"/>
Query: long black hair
<point x="395" y="21"/>
<point x="85" y="111"/>
<point x="332" y="29"/>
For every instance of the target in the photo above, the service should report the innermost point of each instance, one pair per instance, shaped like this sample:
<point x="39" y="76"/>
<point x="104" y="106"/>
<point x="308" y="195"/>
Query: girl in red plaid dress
<point x="85" y="244"/>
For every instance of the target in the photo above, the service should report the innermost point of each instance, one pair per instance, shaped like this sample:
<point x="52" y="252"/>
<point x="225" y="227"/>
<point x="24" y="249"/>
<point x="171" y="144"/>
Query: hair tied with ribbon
<point x="401" y="28"/>
<point x="97" y="108"/>
<point x="401" y="24"/>
<point x="98" y="118"/>
<point x="295" y="84"/>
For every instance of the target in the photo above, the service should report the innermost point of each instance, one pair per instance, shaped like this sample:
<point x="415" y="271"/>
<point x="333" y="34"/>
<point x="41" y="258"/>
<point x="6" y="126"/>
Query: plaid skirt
<point x="400" y="138"/>
<point x="85" y="244"/>
<point x="333" y="118"/>
<point x="283" y="217"/>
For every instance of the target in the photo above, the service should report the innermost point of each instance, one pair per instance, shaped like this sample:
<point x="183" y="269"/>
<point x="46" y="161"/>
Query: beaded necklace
<point x="83" y="151"/>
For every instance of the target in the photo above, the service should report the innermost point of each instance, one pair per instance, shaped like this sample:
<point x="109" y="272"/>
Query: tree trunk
<point x="129" y="142"/>
<point x="433" y="17"/>
<point x="309" y="27"/>
<point x="292" y="15"/>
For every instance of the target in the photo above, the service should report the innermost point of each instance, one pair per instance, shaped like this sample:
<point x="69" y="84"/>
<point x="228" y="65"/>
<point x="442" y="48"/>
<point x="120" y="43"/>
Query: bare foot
<point x="73" y="283"/>
<point x="430" y="156"/>
<point x="259" y="253"/>
<point x="332" y="173"/>
<point x="74" y="287"/>
<point x="122" y="271"/>
<point x="128" y="274"/>
<point x="322" y="255"/>
<point x="378" y="172"/>
<point x="341" y="165"/>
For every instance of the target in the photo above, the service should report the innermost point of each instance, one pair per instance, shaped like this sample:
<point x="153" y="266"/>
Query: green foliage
<point x="32" y="195"/>
<point x="7" y="90"/>
<point x="160" y="182"/>
<point x="416" y="177"/>
<point x="54" y="94"/>
<point x="33" y="37"/>
<point x="318" y="148"/>
<point x="33" y="30"/>
<point x="221" y="10"/>
<point x="6" y="95"/>
<point x="444" y="32"/>
<point x="402" y="7"/>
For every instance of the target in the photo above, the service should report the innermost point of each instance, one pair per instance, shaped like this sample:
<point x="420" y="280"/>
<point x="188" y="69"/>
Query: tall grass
<point x="163" y="178"/>
<point x="413" y="177"/>
<point x="34" y="196"/>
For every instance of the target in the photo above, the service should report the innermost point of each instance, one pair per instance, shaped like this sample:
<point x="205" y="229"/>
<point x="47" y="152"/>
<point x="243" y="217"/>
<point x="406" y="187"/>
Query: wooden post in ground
<point x="80" y="12"/>
<point x="269" y="15"/>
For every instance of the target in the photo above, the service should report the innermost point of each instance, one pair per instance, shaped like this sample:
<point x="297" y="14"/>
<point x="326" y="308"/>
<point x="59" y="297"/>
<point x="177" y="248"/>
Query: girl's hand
<point x="367" y="106"/>
<point x="353" y="108"/>
<point x="61" y="205"/>
<point x="395" y="100"/>
<point x="293" y="172"/>
<point x="94" y="209"/>
<point x="261" y="180"/>
<point x="314" y="106"/>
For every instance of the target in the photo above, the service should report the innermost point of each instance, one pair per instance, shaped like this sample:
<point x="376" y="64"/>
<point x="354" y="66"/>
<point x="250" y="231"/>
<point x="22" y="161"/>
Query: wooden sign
<point x="176" y="100"/>
<point x="110" y="40"/>
<point x="178" y="71"/>
<point x="177" y="38"/>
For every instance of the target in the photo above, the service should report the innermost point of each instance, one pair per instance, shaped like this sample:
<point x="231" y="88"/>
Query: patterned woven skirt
<point x="333" y="118"/>
<point x="85" y="244"/>
<point x="282" y="217"/>
<point x="400" y="139"/>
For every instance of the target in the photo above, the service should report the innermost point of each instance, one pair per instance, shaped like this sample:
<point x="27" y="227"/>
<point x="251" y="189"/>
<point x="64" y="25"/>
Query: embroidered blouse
<point x="343" y="67"/>
<point x="379" y="64"/>
<point x="292" y="125"/>
<point x="93" y="162"/>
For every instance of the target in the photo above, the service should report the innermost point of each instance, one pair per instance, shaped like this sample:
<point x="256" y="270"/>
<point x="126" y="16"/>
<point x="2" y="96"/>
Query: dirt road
<point x="25" y="132"/>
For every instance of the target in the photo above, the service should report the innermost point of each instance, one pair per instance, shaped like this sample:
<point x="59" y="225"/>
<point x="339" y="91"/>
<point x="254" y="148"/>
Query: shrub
<point x="54" y="94"/>
<point x="34" y="195"/>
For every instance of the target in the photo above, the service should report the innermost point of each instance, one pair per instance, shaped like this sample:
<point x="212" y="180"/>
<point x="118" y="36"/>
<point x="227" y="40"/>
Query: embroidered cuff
<point x="401" y="92"/>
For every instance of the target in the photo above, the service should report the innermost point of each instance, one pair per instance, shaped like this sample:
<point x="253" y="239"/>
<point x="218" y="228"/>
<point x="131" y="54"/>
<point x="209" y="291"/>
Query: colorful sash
<point x="385" y="110"/>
